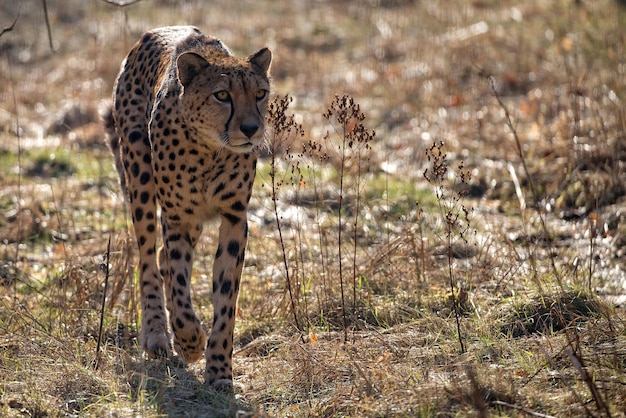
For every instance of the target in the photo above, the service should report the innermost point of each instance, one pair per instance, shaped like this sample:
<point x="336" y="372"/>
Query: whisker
<point x="264" y="145"/>
<point x="224" y="139"/>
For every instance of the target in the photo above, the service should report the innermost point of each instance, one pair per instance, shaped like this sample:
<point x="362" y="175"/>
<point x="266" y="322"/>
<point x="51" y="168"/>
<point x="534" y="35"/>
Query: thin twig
<point x="518" y="186"/>
<point x="522" y="409"/>
<point x="577" y="361"/>
<point x="45" y="13"/>
<point x="283" y="127"/>
<point x="339" y="238"/>
<point x="282" y="245"/>
<point x="531" y="183"/>
<point x="592" y="235"/>
<point x="455" y="301"/>
<point x="10" y="28"/>
<point x="121" y="3"/>
<point x="369" y="388"/>
<point x="477" y="393"/>
<point x="566" y="382"/>
<point x="19" y="162"/>
<point x="104" y="297"/>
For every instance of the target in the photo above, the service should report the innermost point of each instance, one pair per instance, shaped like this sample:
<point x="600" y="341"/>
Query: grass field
<point x="455" y="248"/>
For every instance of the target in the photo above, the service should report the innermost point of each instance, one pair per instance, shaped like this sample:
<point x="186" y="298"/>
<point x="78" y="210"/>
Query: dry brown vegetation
<point x="439" y="230"/>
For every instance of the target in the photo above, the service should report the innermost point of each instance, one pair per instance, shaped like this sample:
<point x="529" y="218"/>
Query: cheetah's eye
<point x="222" y="96"/>
<point x="260" y="94"/>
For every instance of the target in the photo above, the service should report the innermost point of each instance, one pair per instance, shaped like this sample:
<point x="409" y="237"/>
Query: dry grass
<point x="481" y="277"/>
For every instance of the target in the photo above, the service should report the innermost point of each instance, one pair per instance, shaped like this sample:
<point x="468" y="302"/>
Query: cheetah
<point x="185" y="125"/>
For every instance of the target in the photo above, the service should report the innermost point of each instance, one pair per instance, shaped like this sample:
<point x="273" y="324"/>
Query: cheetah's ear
<point x="189" y="65"/>
<point x="261" y="60"/>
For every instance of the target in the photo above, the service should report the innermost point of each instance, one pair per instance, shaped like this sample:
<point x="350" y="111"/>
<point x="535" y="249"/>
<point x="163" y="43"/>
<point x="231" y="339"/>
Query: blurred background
<point x="527" y="96"/>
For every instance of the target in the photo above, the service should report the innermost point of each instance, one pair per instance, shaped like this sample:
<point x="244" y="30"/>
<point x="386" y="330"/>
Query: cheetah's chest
<point x="197" y="184"/>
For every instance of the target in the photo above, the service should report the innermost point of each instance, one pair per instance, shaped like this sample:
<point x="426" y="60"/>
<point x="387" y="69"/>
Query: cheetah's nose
<point x="249" y="129"/>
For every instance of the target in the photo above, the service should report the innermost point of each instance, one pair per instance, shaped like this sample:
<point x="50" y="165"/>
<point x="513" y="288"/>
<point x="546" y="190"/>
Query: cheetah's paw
<point x="191" y="349"/>
<point x="157" y="345"/>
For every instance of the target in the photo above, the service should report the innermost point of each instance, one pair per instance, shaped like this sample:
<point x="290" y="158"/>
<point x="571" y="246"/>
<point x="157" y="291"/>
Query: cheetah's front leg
<point x="176" y="265"/>
<point x="227" y="269"/>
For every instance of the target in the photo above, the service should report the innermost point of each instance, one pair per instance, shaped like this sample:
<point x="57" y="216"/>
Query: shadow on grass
<point x="551" y="313"/>
<point x="170" y="388"/>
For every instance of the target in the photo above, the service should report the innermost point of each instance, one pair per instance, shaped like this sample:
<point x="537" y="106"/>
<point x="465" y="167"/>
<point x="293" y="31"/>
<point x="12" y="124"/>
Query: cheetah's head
<point x="225" y="102"/>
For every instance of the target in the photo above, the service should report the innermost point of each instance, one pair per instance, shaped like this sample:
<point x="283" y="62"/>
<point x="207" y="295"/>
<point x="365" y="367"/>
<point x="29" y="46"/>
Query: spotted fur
<point x="186" y="120"/>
